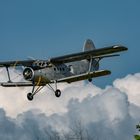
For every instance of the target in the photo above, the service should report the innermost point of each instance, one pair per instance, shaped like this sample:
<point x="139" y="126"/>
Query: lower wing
<point x="85" y="76"/>
<point x="67" y="79"/>
<point x="20" y="84"/>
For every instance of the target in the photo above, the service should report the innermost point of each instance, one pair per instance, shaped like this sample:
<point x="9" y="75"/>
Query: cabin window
<point x="59" y="69"/>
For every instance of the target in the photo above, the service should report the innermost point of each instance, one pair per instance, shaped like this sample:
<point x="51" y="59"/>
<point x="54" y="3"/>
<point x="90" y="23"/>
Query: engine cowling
<point x="28" y="74"/>
<point x="35" y="75"/>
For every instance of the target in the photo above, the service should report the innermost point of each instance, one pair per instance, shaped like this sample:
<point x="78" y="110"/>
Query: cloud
<point x="106" y="115"/>
<point x="130" y="85"/>
<point x="84" y="110"/>
<point x="14" y="100"/>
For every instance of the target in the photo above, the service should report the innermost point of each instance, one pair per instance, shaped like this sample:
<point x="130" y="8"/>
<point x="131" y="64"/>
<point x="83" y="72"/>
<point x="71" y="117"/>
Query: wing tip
<point x="121" y="47"/>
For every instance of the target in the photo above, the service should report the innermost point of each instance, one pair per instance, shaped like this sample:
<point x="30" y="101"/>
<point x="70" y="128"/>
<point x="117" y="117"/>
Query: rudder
<point x="88" y="45"/>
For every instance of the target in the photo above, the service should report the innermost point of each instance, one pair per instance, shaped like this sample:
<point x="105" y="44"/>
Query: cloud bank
<point x="84" y="111"/>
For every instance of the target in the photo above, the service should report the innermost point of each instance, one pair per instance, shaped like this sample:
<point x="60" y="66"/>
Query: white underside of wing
<point x="20" y="84"/>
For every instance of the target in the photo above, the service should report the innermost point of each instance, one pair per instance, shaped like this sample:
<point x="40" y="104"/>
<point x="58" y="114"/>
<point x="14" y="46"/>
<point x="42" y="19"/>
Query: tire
<point x="57" y="93"/>
<point x="30" y="96"/>
<point x="90" y="79"/>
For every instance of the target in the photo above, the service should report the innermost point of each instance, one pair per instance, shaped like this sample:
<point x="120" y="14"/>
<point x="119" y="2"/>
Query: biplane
<point x="68" y="68"/>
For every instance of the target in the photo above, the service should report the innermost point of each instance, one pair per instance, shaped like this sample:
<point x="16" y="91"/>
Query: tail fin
<point x="88" y="45"/>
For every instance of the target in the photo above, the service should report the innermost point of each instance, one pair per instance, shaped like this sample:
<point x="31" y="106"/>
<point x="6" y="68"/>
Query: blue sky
<point x="48" y="28"/>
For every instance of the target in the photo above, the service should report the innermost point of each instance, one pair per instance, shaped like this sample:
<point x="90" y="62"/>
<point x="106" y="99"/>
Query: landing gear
<point x="57" y="93"/>
<point x="90" y="79"/>
<point x="30" y="96"/>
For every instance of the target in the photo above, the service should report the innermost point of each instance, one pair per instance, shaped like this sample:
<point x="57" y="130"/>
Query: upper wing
<point x="97" y="53"/>
<point x="38" y="64"/>
<point x="85" y="76"/>
<point x="35" y="64"/>
<point x="16" y="63"/>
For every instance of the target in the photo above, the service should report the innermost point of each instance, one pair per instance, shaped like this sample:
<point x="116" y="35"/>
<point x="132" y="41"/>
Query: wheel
<point x="30" y="96"/>
<point x="57" y="93"/>
<point x="90" y="79"/>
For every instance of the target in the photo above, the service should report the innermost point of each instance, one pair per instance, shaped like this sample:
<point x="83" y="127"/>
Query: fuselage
<point x="56" y="72"/>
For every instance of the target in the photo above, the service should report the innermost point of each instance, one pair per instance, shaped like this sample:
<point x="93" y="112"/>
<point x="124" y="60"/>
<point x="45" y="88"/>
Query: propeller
<point x="28" y="73"/>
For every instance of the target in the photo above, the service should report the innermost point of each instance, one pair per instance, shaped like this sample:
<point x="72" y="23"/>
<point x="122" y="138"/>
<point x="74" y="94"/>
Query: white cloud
<point x="110" y="113"/>
<point x="130" y="85"/>
<point x="14" y="100"/>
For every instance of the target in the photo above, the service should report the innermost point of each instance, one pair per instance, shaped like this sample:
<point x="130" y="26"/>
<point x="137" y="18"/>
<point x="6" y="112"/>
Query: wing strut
<point x="90" y="64"/>
<point x="8" y="75"/>
<point x="98" y="59"/>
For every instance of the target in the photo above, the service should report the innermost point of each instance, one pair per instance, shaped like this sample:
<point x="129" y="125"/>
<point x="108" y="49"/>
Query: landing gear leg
<point x="30" y="96"/>
<point x="56" y="91"/>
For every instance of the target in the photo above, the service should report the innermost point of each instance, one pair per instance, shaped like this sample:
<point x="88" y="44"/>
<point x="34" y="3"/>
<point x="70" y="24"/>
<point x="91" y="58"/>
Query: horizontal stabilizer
<point x="85" y="76"/>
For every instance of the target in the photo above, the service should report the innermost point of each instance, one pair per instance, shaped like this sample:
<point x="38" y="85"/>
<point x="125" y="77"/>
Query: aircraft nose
<point x="28" y="73"/>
